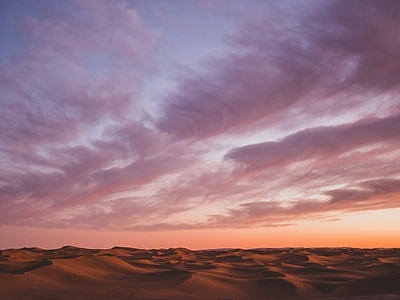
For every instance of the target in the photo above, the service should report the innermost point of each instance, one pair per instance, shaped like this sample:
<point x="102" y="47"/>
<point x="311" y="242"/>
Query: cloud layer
<point x="299" y="117"/>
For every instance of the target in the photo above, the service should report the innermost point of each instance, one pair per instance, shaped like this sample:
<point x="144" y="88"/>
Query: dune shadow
<point x="23" y="267"/>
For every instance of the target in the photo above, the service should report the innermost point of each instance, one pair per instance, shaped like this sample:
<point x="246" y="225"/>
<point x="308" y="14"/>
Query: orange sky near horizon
<point x="350" y="231"/>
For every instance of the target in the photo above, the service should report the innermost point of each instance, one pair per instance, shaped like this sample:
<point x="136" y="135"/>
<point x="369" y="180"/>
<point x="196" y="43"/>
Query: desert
<point x="179" y="273"/>
<point x="199" y="149"/>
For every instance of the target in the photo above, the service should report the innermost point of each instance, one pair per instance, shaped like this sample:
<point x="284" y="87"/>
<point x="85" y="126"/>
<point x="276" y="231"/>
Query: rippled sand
<point x="127" y="273"/>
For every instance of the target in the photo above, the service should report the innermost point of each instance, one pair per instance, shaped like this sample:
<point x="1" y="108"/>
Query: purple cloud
<point x="75" y="72"/>
<point x="320" y="143"/>
<point x="370" y="195"/>
<point x="381" y="189"/>
<point x="308" y="60"/>
<point x="84" y="142"/>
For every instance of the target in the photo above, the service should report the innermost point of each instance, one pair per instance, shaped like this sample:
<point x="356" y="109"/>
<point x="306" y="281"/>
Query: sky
<point x="201" y="124"/>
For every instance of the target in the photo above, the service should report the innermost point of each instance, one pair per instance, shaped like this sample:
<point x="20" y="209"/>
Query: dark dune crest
<point x="179" y="273"/>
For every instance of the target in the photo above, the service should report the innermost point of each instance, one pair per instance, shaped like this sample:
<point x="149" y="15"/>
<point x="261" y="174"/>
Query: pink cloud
<point x="99" y="27"/>
<point x="321" y="143"/>
<point x="303" y="62"/>
<point x="371" y="195"/>
<point x="81" y="65"/>
<point x="78" y="149"/>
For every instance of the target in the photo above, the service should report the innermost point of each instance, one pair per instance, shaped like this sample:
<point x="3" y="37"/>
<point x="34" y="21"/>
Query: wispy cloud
<point x="318" y="143"/>
<point x="325" y="56"/>
<point x="84" y="145"/>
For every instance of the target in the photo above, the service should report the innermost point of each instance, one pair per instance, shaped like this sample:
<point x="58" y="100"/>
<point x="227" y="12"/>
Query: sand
<point x="128" y="273"/>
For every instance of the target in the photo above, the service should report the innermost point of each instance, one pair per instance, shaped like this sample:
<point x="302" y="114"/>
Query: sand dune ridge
<point x="179" y="273"/>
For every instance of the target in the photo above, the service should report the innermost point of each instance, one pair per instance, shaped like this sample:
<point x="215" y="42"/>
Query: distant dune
<point x="127" y="273"/>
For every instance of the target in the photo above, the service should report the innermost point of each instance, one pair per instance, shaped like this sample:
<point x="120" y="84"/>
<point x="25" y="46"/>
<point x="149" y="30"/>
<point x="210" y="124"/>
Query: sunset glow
<point x="199" y="124"/>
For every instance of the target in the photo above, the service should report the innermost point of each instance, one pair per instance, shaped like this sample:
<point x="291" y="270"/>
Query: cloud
<point x="381" y="189"/>
<point x="80" y="148"/>
<point x="370" y="195"/>
<point x="318" y="143"/>
<point x="79" y="67"/>
<point x="68" y="107"/>
<point x="69" y="29"/>
<point x="325" y="54"/>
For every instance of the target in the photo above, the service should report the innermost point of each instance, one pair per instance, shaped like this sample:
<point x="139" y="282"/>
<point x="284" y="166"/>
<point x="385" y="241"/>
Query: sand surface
<point x="127" y="273"/>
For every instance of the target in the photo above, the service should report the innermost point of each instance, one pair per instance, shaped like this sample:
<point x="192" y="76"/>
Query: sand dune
<point x="127" y="273"/>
